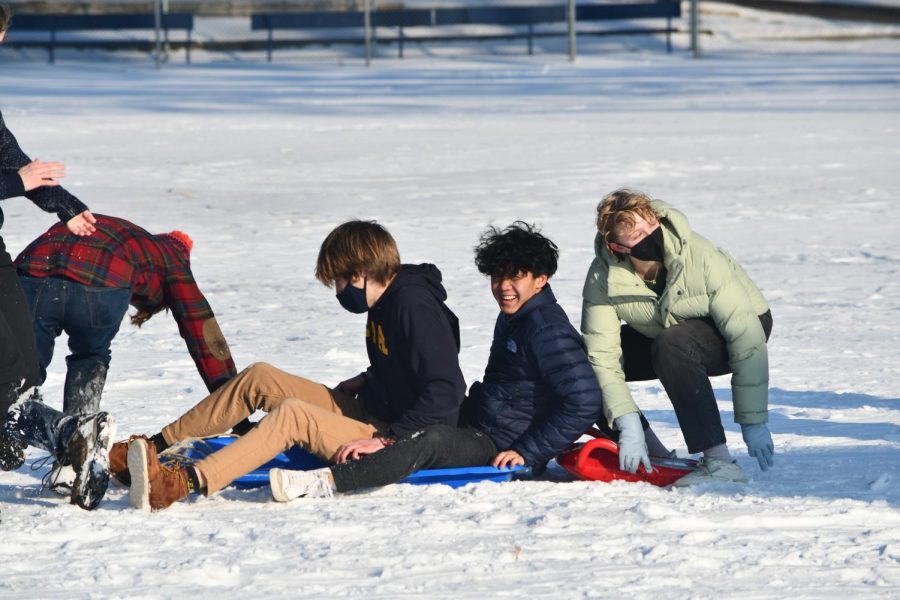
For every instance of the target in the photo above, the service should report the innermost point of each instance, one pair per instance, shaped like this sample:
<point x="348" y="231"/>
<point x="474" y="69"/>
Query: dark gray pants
<point x="18" y="359"/>
<point x="33" y="423"/>
<point x="435" y="447"/>
<point x="683" y="358"/>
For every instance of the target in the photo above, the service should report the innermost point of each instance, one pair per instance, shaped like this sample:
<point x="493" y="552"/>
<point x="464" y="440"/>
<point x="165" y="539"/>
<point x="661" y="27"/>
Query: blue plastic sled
<point x="300" y="460"/>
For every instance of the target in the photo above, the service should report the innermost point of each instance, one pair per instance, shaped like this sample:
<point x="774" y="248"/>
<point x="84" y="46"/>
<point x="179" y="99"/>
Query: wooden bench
<point x="54" y="23"/>
<point x="514" y="16"/>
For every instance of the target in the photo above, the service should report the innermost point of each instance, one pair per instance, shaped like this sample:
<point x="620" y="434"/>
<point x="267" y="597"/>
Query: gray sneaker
<point x="713" y="469"/>
<point x="287" y="485"/>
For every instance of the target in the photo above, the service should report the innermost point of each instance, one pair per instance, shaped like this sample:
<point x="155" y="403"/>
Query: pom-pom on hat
<point x="181" y="241"/>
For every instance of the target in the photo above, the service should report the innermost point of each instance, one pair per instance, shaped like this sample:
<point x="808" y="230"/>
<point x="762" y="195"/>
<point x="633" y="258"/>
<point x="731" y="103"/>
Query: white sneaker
<point x="713" y="469"/>
<point x="287" y="485"/>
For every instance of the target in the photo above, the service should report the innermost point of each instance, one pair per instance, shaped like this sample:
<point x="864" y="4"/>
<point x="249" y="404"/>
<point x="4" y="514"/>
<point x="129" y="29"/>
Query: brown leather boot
<point x="154" y="486"/>
<point x="118" y="459"/>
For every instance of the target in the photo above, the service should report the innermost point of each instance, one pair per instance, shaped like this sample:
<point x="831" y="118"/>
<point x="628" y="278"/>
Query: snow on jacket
<point x="122" y="255"/>
<point x="49" y="198"/>
<point x="412" y="340"/>
<point x="538" y="394"/>
<point x="701" y="281"/>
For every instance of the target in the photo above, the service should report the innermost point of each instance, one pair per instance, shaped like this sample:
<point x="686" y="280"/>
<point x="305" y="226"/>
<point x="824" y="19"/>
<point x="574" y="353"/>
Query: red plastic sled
<point x="598" y="460"/>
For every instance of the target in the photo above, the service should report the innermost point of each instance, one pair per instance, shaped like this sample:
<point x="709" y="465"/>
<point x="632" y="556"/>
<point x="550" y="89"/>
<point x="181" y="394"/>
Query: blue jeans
<point x="90" y="316"/>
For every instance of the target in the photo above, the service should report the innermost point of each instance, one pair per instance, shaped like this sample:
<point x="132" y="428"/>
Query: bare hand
<point x="36" y="174"/>
<point x="354" y="450"/>
<point x="508" y="459"/>
<point x="352" y="386"/>
<point x="82" y="224"/>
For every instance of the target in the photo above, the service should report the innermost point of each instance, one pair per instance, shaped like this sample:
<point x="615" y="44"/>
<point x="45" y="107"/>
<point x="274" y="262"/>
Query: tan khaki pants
<point x="301" y="412"/>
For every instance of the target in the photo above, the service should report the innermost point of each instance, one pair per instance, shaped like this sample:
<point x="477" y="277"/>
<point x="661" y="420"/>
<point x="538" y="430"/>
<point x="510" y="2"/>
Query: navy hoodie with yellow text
<point x="412" y="340"/>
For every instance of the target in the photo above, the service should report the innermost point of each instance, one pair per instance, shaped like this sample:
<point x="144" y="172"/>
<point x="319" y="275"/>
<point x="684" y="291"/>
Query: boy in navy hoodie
<point x="413" y="381"/>
<point x="538" y="395"/>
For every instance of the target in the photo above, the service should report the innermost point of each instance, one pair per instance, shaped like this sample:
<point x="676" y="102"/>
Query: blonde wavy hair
<point x="620" y="208"/>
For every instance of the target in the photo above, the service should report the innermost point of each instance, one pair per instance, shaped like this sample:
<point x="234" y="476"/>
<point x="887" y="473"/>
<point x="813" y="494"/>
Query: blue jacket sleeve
<point x="564" y="368"/>
<point x="49" y="198"/>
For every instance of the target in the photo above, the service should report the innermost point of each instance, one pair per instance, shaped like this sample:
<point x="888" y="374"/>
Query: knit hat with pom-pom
<point x="182" y="242"/>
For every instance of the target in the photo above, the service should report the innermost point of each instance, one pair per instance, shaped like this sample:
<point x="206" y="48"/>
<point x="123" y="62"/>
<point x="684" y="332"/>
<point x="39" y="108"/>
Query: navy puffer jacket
<point x="539" y="392"/>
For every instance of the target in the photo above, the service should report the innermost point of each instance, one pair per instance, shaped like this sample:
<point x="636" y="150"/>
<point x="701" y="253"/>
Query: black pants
<point x="436" y="447"/>
<point x="34" y="423"/>
<point x="18" y="359"/>
<point x="683" y="358"/>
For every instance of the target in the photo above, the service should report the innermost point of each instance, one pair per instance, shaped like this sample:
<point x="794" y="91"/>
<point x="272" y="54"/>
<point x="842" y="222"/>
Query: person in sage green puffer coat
<point x="690" y="312"/>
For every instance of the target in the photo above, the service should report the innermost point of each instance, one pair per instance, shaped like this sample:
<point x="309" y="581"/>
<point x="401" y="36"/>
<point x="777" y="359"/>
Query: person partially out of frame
<point x="82" y="440"/>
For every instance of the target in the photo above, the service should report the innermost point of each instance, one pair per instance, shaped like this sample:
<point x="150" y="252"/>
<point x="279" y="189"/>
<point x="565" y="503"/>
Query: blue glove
<point x="759" y="444"/>
<point x="632" y="445"/>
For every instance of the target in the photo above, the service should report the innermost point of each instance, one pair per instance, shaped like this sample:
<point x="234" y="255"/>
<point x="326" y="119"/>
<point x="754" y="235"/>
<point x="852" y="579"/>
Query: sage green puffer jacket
<point x="702" y="281"/>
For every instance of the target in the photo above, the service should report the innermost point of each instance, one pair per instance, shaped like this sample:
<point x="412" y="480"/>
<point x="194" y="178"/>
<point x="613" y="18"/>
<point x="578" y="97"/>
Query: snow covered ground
<point x="784" y="152"/>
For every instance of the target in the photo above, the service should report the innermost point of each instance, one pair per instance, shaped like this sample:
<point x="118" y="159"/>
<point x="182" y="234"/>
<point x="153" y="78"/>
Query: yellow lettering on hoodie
<point x="375" y="333"/>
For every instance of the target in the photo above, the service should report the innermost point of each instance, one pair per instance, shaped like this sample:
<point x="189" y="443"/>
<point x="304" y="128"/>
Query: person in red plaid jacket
<point x="98" y="277"/>
<point x="84" y="285"/>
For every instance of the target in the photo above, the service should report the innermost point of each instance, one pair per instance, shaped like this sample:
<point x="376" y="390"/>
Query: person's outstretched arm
<point x="199" y="329"/>
<point x="36" y="180"/>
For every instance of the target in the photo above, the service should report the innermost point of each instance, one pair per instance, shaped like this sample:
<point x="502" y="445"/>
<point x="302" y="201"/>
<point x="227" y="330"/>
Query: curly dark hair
<point x="519" y="248"/>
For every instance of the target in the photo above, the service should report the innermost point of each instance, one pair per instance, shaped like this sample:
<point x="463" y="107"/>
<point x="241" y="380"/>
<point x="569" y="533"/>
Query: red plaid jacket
<point x="122" y="255"/>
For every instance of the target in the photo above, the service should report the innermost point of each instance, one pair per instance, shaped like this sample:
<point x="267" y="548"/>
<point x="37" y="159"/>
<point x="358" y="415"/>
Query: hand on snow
<point x="507" y="460"/>
<point x="36" y="174"/>
<point x="82" y="224"/>
<point x="632" y="445"/>
<point x="759" y="444"/>
<point x="354" y="450"/>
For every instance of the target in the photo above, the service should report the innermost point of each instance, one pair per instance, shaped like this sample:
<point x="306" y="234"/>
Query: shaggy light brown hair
<point x="5" y="16"/>
<point x="354" y="247"/>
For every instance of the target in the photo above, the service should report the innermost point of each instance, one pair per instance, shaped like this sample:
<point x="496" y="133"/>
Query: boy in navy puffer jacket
<point x="538" y="396"/>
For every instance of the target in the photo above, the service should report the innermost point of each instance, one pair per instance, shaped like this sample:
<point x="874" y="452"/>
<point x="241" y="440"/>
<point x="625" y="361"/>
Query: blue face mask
<point x="353" y="298"/>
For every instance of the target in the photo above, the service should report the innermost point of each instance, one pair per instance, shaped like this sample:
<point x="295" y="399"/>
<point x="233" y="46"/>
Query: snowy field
<point x="785" y="152"/>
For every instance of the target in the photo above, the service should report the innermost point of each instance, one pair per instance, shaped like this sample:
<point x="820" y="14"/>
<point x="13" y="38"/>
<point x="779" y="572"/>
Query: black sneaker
<point x="88" y="453"/>
<point x="12" y="452"/>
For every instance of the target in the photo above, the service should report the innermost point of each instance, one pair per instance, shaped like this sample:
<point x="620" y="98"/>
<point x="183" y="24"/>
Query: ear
<point x="540" y="281"/>
<point x="616" y="248"/>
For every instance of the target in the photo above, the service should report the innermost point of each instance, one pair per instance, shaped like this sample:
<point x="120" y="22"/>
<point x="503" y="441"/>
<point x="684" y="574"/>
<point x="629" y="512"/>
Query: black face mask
<point x="649" y="248"/>
<point x="353" y="298"/>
